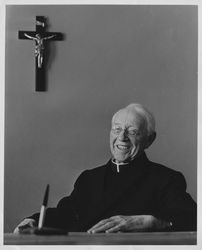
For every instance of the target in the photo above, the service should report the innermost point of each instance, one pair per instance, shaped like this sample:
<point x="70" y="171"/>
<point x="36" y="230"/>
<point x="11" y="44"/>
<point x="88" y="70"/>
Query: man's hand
<point x="133" y="223"/>
<point x="26" y="223"/>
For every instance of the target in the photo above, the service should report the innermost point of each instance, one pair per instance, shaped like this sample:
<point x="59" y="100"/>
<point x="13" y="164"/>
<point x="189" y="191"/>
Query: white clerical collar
<point x="119" y="164"/>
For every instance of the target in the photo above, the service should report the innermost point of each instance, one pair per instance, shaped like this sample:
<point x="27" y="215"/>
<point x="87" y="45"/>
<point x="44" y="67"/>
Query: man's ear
<point x="150" y="139"/>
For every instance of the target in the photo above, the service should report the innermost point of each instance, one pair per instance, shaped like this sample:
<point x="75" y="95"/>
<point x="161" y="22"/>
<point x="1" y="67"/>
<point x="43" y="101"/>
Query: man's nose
<point x="123" y="135"/>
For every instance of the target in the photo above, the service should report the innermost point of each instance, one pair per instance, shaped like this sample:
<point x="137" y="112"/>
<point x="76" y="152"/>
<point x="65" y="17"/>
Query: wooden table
<point x="157" y="238"/>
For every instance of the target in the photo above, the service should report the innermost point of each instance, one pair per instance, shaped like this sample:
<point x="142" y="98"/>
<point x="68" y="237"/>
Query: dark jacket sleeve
<point x="65" y="215"/>
<point x="176" y="205"/>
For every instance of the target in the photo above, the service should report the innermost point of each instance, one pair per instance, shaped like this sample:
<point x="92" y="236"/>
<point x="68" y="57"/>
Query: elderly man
<point x="129" y="193"/>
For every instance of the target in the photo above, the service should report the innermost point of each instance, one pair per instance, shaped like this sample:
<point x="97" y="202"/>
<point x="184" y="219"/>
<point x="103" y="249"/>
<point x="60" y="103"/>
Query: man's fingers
<point x="25" y="226"/>
<point x="100" y="223"/>
<point x="114" y="229"/>
<point x="27" y="223"/>
<point x="104" y="227"/>
<point x="98" y="228"/>
<point x="16" y="231"/>
<point x="106" y="224"/>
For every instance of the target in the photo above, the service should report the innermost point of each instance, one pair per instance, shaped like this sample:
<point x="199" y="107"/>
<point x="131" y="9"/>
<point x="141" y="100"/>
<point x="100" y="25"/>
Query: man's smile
<point x="123" y="147"/>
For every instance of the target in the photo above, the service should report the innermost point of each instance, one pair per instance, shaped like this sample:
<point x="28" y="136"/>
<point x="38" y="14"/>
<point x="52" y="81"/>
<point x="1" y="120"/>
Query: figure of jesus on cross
<point x="39" y="47"/>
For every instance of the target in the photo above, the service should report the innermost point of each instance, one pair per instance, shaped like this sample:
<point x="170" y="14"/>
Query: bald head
<point x="133" y="130"/>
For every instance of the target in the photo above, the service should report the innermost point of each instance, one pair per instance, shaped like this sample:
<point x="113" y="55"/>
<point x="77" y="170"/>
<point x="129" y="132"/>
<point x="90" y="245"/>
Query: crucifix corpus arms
<point x="39" y="46"/>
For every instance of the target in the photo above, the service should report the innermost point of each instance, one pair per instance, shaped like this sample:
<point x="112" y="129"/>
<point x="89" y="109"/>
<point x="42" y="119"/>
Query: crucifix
<point x="40" y="37"/>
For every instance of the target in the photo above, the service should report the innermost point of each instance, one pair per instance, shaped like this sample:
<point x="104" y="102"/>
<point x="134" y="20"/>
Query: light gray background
<point x="111" y="56"/>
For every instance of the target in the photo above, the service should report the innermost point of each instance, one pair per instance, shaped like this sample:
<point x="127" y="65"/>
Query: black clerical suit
<point x="140" y="188"/>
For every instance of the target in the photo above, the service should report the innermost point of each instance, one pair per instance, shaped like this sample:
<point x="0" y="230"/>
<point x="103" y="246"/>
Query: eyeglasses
<point x="129" y="131"/>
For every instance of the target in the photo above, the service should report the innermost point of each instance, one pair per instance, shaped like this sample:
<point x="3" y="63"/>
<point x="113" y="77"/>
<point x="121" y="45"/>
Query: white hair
<point x="145" y="114"/>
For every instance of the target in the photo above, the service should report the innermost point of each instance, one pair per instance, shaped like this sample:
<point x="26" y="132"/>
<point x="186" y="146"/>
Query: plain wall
<point x="111" y="56"/>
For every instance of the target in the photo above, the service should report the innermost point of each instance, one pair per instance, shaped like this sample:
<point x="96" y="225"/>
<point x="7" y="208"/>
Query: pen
<point x="43" y="208"/>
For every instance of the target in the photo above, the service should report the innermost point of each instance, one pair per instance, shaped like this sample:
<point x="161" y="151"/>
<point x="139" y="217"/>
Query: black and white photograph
<point x="100" y="124"/>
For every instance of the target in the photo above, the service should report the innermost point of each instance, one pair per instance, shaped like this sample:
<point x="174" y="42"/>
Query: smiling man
<point x="131" y="133"/>
<point x="129" y="193"/>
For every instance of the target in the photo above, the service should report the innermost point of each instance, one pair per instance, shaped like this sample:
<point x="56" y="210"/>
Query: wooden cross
<point x="41" y="37"/>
